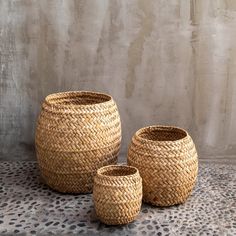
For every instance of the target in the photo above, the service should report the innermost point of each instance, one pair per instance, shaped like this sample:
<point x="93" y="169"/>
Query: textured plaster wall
<point x="166" y="62"/>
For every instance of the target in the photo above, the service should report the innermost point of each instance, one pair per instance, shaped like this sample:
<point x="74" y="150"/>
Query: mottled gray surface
<point x="166" y="62"/>
<point x="29" y="207"/>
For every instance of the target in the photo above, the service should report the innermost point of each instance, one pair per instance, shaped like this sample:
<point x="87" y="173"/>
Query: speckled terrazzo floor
<point x="29" y="207"/>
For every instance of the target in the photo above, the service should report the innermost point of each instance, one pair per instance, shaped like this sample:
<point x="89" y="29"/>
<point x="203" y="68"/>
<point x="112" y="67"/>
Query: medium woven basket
<point x="117" y="194"/>
<point x="167" y="161"/>
<point x="76" y="134"/>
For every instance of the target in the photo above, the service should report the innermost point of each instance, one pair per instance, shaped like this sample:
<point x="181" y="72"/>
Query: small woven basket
<point x="117" y="194"/>
<point x="76" y="134"/>
<point x="167" y="161"/>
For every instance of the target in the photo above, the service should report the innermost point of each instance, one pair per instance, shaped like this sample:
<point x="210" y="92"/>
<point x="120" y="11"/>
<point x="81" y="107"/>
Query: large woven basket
<point x="117" y="194"/>
<point x="167" y="161"/>
<point x="76" y="134"/>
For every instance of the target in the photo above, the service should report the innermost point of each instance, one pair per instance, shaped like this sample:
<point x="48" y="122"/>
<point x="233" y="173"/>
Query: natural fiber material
<point x="77" y="133"/>
<point x="167" y="161"/>
<point x="117" y="194"/>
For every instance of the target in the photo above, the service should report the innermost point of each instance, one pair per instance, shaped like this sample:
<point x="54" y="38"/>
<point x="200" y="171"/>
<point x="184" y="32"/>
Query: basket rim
<point x="159" y="127"/>
<point x="101" y="170"/>
<point x="74" y="94"/>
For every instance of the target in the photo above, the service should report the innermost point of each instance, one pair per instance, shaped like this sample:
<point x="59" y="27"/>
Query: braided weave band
<point x="117" y="194"/>
<point x="167" y="161"/>
<point x="76" y="134"/>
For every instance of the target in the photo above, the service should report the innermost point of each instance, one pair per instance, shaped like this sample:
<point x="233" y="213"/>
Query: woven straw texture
<point x="167" y="161"/>
<point x="117" y="194"/>
<point x="76" y="134"/>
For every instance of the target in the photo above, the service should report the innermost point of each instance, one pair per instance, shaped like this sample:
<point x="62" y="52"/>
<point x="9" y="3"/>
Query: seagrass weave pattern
<point x="167" y="161"/>
<point x="117" y="194"/>
<point x="76" y="134"/>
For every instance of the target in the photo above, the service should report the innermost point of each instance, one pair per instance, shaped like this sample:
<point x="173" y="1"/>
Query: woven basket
<point x="167" y="161"/>
<point x="117" y="194"/>
<point x="76" y="134"/>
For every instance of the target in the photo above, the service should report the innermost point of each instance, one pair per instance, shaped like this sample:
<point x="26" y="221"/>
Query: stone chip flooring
<point x="28" y="207"/>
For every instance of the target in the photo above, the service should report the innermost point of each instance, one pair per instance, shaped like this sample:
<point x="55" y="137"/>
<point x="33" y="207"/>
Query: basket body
<point x="117" y="194"/>
<point x="77" y="133"/>
<point x="167" y="161"/>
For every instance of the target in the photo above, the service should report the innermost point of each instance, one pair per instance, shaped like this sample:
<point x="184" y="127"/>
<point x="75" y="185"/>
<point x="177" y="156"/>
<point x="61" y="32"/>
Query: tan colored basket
<point x="77" y="133"/>
<point x="167" y="161"/>
<point x="117" y="194"/>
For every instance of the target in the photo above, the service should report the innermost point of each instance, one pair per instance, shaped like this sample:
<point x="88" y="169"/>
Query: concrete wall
<point x="166" y="62"/>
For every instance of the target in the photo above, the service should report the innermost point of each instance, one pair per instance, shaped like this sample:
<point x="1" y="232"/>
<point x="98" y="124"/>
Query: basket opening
<point x="110" y="171"/>
<point x="162" y="133"/>
<point x="77" y="98"/>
